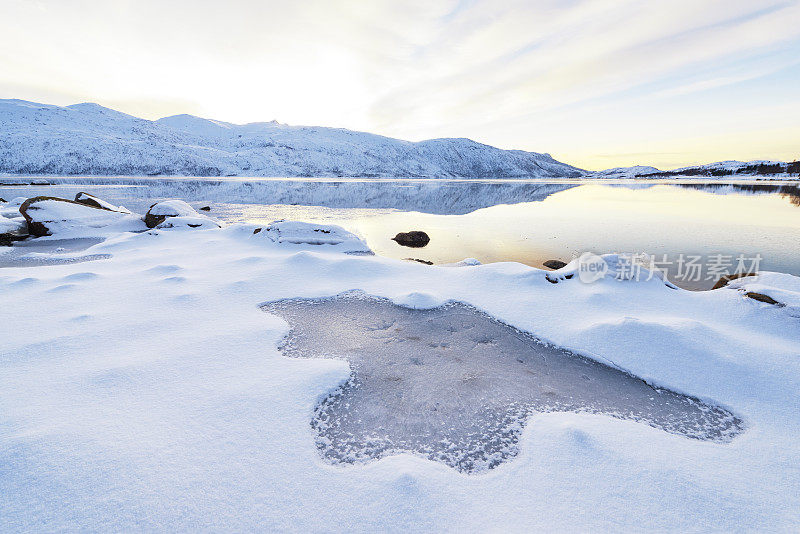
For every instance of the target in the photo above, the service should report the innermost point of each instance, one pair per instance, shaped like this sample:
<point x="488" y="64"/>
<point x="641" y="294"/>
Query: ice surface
<point x="455" y="385"/>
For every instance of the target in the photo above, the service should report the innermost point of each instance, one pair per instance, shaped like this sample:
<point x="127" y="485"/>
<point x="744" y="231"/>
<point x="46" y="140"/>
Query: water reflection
<point x="659" y="220"/>
<point x="524" y="221"/>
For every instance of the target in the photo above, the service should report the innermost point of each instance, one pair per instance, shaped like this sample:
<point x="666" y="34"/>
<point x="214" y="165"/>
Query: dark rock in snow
<point x="426" y="262"/>
<point x="554" y="264"/>
<point x="205" y="208"/>
<point x="7" y="238"/>
<point x="414" y="239"/>
<point x="762" y="298"/>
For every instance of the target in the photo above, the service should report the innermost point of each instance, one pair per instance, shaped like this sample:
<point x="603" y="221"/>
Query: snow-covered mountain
<point x="720" y="168"/>
<point x="88" y="139"/>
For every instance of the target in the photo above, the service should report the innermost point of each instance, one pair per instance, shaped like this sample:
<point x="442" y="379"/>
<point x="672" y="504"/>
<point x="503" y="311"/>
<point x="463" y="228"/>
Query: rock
<point x="762" y="298"/>
<point x="160" y="211"/>
<point x="414" y="239"/>
<point x="303" y="233"/>
<point x="93" y="201"/>
<point x="206" y="208"/>
<point x="426" y="262"/>
<point x="45" y="214"/>
<point x="554" y="264"/>
<point x="723" y="281"/>
<point x="3" y="200"/>
<point x="7" y="238"/>
<point x="12" y="230"/>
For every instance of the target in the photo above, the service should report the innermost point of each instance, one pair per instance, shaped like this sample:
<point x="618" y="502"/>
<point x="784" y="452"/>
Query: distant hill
<point x="88" y="139"/>
<point x="720" y="169"/>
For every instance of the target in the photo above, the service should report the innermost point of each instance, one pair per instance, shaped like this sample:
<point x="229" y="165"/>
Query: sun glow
<point x="595" y="84"/>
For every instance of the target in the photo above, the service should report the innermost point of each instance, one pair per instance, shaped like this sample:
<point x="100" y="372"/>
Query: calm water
<point x="716" y="226"/>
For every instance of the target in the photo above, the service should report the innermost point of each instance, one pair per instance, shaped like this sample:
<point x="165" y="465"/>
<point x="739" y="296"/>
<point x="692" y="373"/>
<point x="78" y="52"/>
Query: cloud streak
<point x="539" y="75"/>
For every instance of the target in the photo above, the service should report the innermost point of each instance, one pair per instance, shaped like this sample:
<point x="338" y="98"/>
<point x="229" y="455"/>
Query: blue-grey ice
<point x="457" y="386"/>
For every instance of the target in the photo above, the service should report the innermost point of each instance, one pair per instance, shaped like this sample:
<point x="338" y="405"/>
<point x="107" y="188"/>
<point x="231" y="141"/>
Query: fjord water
<point x="504" y="220"/>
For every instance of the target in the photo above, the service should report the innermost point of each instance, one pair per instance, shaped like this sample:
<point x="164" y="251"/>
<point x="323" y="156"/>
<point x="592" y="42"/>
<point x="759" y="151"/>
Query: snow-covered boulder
<point x="95" y="202"/>
<point x="303" y="233"/>
<point x="160" y="211"/>
<point x="49" y="215"/>
<point x="189" y="222"/>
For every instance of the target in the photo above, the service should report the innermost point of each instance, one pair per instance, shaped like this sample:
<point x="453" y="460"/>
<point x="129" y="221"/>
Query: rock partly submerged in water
<point x="413" y="239"/>
<point x="46" y="215"/>
<point x="554" y="264"/>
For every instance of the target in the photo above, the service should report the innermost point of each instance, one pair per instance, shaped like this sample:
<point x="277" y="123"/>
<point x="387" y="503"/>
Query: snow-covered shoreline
<point x="146" y="391"/>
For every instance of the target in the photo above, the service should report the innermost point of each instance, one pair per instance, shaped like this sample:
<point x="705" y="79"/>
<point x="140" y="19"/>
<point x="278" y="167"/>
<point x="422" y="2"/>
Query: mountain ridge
<point x="89" y="139"/>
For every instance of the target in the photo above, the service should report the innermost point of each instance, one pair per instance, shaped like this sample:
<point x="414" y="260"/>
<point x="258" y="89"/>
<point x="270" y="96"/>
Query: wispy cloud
<point x="567" y="77"/>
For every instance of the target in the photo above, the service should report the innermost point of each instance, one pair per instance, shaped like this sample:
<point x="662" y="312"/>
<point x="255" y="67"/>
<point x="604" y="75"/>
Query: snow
<point x="146" y="391"/>
<point x="11" y="224"/>
<point x="88" y="139"/>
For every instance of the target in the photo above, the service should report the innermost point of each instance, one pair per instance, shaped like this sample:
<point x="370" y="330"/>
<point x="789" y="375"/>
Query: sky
<point x="597" y="84"/>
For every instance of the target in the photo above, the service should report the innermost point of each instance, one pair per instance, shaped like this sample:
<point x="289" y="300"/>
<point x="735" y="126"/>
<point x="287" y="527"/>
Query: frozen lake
<point x="686" y="225"/>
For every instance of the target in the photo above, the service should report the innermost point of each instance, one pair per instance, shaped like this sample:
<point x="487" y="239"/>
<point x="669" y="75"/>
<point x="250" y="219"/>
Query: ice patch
<point x="455" y="385"/>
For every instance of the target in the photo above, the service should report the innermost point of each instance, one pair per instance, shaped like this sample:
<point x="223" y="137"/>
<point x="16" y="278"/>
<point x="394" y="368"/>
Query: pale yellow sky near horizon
<point x="597" y="84"/>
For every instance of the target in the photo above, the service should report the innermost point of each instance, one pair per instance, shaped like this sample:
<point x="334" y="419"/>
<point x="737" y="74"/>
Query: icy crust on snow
<point x="455" y="385"/>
